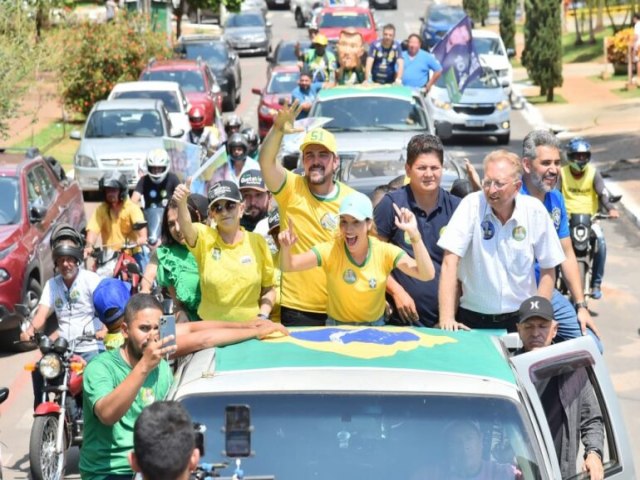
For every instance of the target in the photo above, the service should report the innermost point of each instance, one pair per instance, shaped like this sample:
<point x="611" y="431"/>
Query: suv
<point x="437" y="21"/>
<point x="381" y="402"/>
<point x="196" y="80"/>
<point x="35" y="195"/>
<point x="493" y="54"/>
<point x="221" y="58"/>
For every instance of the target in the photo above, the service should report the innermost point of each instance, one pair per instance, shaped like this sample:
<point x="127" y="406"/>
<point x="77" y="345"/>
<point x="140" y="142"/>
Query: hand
<point x="26" y="336"/>
<point x="100" y="334"/>
<point x="269" y="328"/>
<point x="406" y="221"/>
<point x="472" y="173"/>
<point x="154" y="350"/>
<point x="287" y="237"/>
<point x="283" y="121"/>
<point x="586" y="320"/>
<point x="87" y="252"/>
<point x="398" y="81"/>
<point x="406" y="307"/>
<point x="182" y="192"/>
<point x="613" y="213"/>
<point x="451" y="325"/>
<point x="593" y="465"/>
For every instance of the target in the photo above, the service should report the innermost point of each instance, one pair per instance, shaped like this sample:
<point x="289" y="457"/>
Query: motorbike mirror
<point x="60" y="345"/>
<point x="133" y="268"/>
<point x="167" y="306"/>
<point x="4" y="394"/>
<point x="45" y="344"/>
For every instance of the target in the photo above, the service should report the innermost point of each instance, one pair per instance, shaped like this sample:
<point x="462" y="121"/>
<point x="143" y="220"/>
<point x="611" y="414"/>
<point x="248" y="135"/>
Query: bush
<point x="618" y="47"/>
<point x="97" y="56"/>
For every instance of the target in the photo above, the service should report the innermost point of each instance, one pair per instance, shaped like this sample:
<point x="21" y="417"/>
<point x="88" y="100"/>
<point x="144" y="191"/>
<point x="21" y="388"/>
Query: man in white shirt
<point x="491" y="244"/>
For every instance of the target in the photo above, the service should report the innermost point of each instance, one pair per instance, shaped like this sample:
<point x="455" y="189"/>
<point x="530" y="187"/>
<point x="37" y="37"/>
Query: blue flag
<point x="459" y="60"/>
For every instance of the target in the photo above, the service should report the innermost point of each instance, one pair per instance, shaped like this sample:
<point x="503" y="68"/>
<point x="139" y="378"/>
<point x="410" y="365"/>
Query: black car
<point x="223" y="61"/>
<point x="284" y="53"/>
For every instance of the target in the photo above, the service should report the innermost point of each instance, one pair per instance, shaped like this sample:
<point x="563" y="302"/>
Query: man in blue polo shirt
<point x="541" y="169"/>
<point x="414" y="301"/>
<point x="384" y="63"/>
<point x="418" y="65"/>
<point x="305" y="93"/>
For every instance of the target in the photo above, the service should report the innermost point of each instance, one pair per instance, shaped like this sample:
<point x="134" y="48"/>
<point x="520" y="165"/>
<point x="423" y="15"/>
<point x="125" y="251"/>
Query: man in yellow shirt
<point x="117" y="220"/>
<point x="312" y="201"/>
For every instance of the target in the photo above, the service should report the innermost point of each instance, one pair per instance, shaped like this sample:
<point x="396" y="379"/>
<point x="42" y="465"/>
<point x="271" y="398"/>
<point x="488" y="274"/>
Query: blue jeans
<point x="599" y="257"/>
<point x="142" y="258"/>
<point x="568" y="324"/>
<point x="332" y="322"/>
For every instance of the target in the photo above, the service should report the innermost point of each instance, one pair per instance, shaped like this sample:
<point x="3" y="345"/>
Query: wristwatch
<point x="582" y="304"/>
<point x="593" y="450"/>
<point x="263" y="316"/>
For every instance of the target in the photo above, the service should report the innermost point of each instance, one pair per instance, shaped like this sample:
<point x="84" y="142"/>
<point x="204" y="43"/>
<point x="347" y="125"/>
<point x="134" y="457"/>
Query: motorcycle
<point x="118" y="264"/>
<point x="153" y="215"/>
<point x="58" y="421"/>
<point x="4" y="394"/>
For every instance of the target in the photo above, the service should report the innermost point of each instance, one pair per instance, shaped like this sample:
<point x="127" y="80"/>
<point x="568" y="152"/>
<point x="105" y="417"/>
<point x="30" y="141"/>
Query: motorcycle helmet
<point x="110" y="299"/>
<point x="158" y="158"/>
<point x="196" y="118"/>
<point x="237" y="140"/>
<point x="67" y="249"/>
<point x="64" y="231"/>
<point x="578" y="153"/>
<point x="114" y="179"/>
<point x="253" y="140"/>
<point x="232" y="124"/>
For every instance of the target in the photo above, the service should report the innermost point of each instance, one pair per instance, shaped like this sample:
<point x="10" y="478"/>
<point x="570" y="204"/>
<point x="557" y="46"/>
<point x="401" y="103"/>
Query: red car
<point x="282" y="81"/>
<point x="196" y="79"/>
<point x="332" y="20"/>
<point x="35" y="195"/>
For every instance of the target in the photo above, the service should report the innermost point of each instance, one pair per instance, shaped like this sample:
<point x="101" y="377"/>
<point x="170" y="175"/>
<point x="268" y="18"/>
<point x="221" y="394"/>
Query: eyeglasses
<point x="487" y="184"/>
<point x="229" y="206"/>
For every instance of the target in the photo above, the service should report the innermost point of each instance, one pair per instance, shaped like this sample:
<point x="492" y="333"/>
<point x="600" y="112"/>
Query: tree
<point x="542" y="55"/>
<point x="508" y="23"/>
<point x="476" y="9"/>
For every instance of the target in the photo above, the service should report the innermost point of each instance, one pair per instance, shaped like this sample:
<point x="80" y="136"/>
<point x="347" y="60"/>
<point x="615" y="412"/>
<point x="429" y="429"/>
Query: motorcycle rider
<point x="253" y="141"/>
<point x="239" y="160"/>
<point x="157" y="186"/>
<point x="201" y="135"/>
<point x="69" y="295"/>
<point x="584" y="192"/>
<point x="115" y="220"/>
<point x="232" y="124"/>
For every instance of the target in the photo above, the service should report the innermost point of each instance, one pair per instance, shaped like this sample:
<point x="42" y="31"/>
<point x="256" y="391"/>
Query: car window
<point x="344" y="20"/>
<point x="211" y="78"/>
<point x="39" y="188"/>
<point x="446" y="15"/>
<point x="189" y="80"/>
<point x="214" y="53"/>
<point x="286" y="52"/>
<point x="374" y="436"/>
<point x="283" y="82"/>
<point x="487" y="80"/>
<point x="10" y="204"/>
<point x="169" y="99"/>
<point x="48" y="189"/>
<point x="124" y="123"/>
<point x="245" y="21"/>
<point x="488" y="46"/>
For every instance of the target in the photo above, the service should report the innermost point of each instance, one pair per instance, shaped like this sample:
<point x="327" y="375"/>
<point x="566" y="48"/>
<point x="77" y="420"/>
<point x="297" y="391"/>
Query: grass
<point x="586" y="52"/>
<point x="542" y="99"/>
<point x="617" y="85"/>
<point x="54" y="140"/>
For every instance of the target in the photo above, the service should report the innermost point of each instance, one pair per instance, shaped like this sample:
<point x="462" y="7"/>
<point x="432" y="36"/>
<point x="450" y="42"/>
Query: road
<point x="615" y="312"/>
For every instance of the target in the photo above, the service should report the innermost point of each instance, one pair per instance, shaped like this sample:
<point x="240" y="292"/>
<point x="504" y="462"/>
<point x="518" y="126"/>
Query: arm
<point x="267" y="299"/>
<point x="367" y="69"/>
<point x="92" y="238"/>
<point x="294" y="263"/>
<point x="37" y="323"/>
<point x="400" y="70"/>
<point x="146" y="283"/>
<point x="603" y="195"/>
<point x="433" y="79"/>
<point x="135" y="197"/>
<point x="422" y="267"/>
<point x="473" y="175"/>
<point x="181" y="194"/>
<point x="591" y="431"/>
<point x="447" y="292"/>
<point x="547" y="282"/>
<point x="143" y="236"/>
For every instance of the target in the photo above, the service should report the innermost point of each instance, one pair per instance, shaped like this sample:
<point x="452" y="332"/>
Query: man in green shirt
<point x="118" y="384"/>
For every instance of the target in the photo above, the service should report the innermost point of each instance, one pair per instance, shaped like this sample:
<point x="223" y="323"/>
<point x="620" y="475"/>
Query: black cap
<point x="274" y="219"/>
<point x="535" y="307"/>
<point x="224" y="190"/>
<point x="252" y="179"/>
<point x="199" y="204"/>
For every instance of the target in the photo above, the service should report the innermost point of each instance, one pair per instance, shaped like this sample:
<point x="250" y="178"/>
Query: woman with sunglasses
<point x="235" y="266"/>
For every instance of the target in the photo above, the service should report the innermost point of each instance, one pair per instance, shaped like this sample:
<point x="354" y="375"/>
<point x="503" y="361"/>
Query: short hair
<point x="636" y="15"/>
<point x="138" y="302"/>
<point x="163" y="440"/>
<point x="389" y="26"/>
<point x="461" y="187"/>
<point x="501" y="154"/>
<point x="424" y="143"/>
<point x="195" y="212"/>
<point x="538" y="138"/>
<point x="306" y="71"/>
<point x="415" y="35"/>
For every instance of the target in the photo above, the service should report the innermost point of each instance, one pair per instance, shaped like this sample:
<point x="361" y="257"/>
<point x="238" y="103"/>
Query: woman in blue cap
<point x="357" y="264"/>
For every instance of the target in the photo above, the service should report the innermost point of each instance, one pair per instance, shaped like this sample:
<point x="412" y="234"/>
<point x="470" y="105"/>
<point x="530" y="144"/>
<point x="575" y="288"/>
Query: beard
<point x="318" y="175"/>
<point x="539" y="183"/>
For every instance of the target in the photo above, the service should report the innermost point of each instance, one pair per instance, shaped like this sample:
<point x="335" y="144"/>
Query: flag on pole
<point x="459" y="60"/>
<point x="185" y="157"/>
<point x="213" y="170"/>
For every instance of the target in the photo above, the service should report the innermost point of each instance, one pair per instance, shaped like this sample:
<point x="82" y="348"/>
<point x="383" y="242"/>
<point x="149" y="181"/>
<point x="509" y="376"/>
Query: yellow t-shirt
<point x="356" y="292"/>
<point x="579" y="194"/>
<point x="277" y="278"/>
<point x="114" y="230"/>
<point x="316" y="220"/>
<point x="231" y="276"/>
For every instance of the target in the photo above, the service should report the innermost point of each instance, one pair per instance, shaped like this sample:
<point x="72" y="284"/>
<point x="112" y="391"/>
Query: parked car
<point x="285" y="53"/>
<point x="379" y="4"/>
<point x="482" y="110"/>
<point x="384" y="403"/>
<point x="332" y="20"/>
<point x="223" y="61"/>
<point x="438" y="19"/>
<point x="170" y="93"/>
<point x="303" y="11"/>
<point x="281" y="82"/>
<point x="118" y="135"/>
<point x="490" y="47"/>
<point x="196" y="80"/>
<point x="248" y="32"/>
<point x="273" y="4"/>
<point x="252" y="5"/>
<point x="35" y="195"/>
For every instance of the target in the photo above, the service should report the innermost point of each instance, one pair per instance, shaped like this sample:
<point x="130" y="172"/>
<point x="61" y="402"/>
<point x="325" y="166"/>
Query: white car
<point x="493" y="54"/>
<point x="169" y="93"/>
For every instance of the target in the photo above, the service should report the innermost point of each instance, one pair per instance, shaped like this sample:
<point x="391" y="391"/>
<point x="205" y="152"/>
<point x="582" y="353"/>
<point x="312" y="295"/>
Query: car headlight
<point x="50" y="366"/>
<point x="85" y="161"/>
<point x="441" y="104"/>
<point x="266" y="111"/>
<point x="4" y="275"/>
<point x="503" y="105"/>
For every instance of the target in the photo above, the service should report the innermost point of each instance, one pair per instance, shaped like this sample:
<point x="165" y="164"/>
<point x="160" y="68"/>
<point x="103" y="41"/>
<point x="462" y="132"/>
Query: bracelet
<point x="593" y="450"/>
<point x="582" y="304"/>
<point x="264" y="316"/>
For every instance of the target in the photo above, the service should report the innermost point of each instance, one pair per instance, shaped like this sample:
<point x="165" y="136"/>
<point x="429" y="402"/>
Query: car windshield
<point x="283" y="82"/>
<point x="371" y="113"/>
<point x="10" y="204"/>
<point x="373" y="436"/>
<point x="344" y="20"/>
<point x="245" y="21"/>
<point x="449" y="16"/>
<point x="287" y="52"/>
<point x="487" y="46"/>
<point x="189" y="80"/>
<point x="214" y="53"/>
<point x="486" y="80"/>
<point x="124" y="123"/>
<point x="169" y="99"/>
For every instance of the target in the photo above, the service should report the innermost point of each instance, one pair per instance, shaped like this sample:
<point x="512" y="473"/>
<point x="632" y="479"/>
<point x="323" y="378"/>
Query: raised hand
<point x="406" y="221"/>
<point x="182" y="192"/>
<point x="288" y="237"/>
<point x="285" y="117"/>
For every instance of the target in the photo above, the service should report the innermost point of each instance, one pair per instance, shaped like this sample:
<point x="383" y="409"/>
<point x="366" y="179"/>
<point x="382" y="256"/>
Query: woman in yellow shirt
<point x="357" y="264"/>
<point x="235" y="266"/>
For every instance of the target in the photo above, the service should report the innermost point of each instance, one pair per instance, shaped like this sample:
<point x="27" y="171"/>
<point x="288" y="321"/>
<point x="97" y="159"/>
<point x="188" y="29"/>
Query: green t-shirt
<point x="105" y="449"/>
<point x="177" y="268"/>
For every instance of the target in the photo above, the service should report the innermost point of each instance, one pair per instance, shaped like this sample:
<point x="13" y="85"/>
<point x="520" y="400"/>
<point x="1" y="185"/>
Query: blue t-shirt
<point x="303" y="97"/>
<point x="431" y="226"/>
<point x="385" y="61"/>
<point x="416" y="71"/>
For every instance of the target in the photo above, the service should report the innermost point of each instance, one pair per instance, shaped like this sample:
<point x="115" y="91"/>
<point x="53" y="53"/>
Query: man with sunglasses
<point x="491" y="245"/>
<point x="312" y="202"/>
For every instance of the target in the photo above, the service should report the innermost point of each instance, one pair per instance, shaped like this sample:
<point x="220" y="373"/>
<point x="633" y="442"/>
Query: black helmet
<point x="237" y="140"/>
<point x="252" y="138"/>
<point x="64" y="231"/>
<point x="67" y="251"/>
<point x="232" y="121"/>
<point x="114" y="179"/>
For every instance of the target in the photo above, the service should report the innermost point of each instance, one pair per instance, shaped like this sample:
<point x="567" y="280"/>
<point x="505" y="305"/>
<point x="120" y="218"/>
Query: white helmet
<point x="158" y="157"/>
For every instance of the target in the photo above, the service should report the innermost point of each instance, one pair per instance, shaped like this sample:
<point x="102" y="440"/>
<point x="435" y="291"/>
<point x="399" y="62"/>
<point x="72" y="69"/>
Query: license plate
<point x="474" y="123"/>
<point x="242" y="45"/>
<point x="279" y="2"/>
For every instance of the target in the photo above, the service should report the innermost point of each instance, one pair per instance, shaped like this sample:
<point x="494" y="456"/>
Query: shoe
<point x="596" y="293"/>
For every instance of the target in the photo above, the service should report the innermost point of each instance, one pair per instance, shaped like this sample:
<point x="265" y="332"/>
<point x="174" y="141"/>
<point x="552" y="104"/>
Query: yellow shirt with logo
<point x="277" y="279"/>
<point x="357" y="292"/>
<point x="231" y="276"/>
<point x="579" y="194"/>
<point x="315" y="220"/>
<point x="114" y="230"/>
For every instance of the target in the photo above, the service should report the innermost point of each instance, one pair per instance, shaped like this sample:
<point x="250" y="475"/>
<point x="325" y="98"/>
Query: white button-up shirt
<point x="497" y="261"/>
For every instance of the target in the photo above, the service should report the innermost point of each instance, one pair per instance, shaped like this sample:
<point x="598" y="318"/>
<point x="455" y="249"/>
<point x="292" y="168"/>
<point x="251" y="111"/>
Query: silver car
<point x="118" y="135"/>
<point x="248" y="32"/>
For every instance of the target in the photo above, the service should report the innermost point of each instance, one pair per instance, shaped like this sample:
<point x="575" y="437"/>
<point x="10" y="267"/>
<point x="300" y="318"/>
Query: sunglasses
<point x="229" y="206"/>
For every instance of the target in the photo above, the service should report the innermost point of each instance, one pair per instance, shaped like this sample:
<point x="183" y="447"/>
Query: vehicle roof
<point x="398" y="91"/>
<point x="202" y="37"/>
<point x="292" y="68"/>
<point x="129" y="103"/>
<point x="9" y="163"/>
<point x="484" y="33"/>
<point x="338" y="8"/>
<point x="174" y="65"/>
<point x="145" y="86"/>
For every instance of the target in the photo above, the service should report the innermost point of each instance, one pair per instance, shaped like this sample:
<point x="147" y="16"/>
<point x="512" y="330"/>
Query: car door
<point x="542" y="364"/>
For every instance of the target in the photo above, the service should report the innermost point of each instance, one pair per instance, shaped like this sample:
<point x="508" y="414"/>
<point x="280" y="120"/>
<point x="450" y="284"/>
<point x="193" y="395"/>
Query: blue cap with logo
<point x="358" y="205"/>
<point x="110" y="298"/>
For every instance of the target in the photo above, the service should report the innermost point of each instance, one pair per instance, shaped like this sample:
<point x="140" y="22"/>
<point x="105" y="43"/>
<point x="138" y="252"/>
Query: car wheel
<point x="504" y="139"/>
<point x="300" y="23"/>
<point x="238" y="97"/>
<point x="229" y="104"/>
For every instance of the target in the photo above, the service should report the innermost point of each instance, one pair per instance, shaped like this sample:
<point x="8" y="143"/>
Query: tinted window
<point x="487" y="46"/>
<point x="10" y="205"/>
<point x="287" y="52"/>
<point x="343" y="20"/>
<point x="283" y="82"/>
<point x="446" y="15"/>
<point x="169" y="99"/>
<point x="189" y="80"/>
<point x="374" y="437"/>
<point x="211" y="52"/>
<point x="124" y="123"/>
<point x="245" y="21"/>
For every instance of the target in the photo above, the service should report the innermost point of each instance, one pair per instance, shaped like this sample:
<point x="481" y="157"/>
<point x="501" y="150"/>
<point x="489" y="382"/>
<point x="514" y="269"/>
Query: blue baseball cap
<point x="358" y="205"/>
<point x="111" y="296"/>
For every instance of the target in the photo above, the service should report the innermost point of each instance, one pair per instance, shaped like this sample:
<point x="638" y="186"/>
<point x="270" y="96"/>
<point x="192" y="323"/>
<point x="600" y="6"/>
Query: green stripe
<point x="398" y="257"/>
<point x="318" y="257"/>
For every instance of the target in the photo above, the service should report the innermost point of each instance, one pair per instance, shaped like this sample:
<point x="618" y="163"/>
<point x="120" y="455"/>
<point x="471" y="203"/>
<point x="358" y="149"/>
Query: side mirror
<point x="215" y="89"/>
<point x="36" y="214"/>
<point x="256" y="90"/>
<point x="511" y="52"/>
<point x="176" y="132"/>
<point x="75" y="135"/>
<point x="268" y="24"/>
